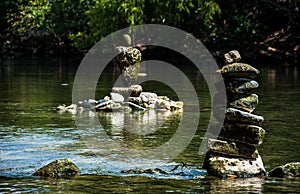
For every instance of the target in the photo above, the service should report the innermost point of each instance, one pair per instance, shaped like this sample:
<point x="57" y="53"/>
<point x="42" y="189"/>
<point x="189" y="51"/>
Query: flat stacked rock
<point x="234" y="153"/>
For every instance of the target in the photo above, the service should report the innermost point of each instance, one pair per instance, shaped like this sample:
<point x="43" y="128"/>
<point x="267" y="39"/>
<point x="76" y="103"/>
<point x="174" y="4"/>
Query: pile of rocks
<point x="125" y="99"/>
<point x="136" y="99"/>
<point x="234" y="153"/>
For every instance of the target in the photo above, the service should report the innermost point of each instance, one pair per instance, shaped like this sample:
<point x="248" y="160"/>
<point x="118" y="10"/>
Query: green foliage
<point x="108" y="16"/>
<point x="47" y="24"/>
<point x="65" y="25"/>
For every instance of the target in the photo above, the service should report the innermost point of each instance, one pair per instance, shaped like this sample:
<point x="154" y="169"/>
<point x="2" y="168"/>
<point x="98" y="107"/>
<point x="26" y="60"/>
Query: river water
<point x="33" y="134"/>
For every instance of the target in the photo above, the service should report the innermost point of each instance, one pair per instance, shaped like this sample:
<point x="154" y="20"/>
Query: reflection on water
<point x="33" y="134"/>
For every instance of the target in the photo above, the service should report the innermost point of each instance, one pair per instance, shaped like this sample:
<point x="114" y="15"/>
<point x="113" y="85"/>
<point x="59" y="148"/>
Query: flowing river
<point x="33" y="133"/>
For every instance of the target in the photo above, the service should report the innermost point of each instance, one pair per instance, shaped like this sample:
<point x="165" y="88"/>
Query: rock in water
<point x="129" y="62"/>
<point x="232" y="149"/>
<point x="238" y="70"/>
<point x="116" y="97"/>
<point x="58" y="168"/>
<point x="288" y="170"/>
<point x="235" y="115"/>
<point x="240" y="85"/>
<point x="220" y="166"/>
<point x="250" y="134"/>
<point x="247" y="103"/>
<point x="132" y="91"/>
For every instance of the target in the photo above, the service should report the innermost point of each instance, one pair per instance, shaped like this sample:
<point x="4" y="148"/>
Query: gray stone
<point x="148" y="96"/>
<point x="250" y="134"/>
<point x="222" y="166"/>
<point x="58" y="168"/>
<point x="240" y="85"/>
<point x="116" y="97"/>
<point x="135" y="100"/>
<point x="232" y="57"/>
<point x="288" y="170"/>
<point x="132" y="91"/>
<point x="232" y="149"/>
<point x="247" y="103"/>
<point x="239" y="70"/>
<point x="238" y="116"/>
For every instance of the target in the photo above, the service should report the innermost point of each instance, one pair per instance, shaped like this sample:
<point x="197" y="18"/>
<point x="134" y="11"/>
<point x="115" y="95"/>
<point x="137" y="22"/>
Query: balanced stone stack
<point x="234" y="153"/>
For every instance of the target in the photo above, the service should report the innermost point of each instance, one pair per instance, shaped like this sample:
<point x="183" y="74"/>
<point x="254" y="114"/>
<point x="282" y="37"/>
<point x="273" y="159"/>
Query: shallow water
<point x="32" y="134"/>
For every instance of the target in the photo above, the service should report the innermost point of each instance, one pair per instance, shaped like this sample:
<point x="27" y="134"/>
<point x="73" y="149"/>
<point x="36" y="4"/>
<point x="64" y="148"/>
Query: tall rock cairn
<point x="234" y="153"/>
<point x="128" y="60"/>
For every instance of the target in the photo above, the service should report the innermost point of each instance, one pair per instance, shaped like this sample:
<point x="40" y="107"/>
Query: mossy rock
<point x="237" y="116"/>
<point x="58" y="168"/>
<point x="222" y="166"/>
<point x="239" y="70"/>
<point x="247" y="103"/>
<point x="240" y="85"/>
<point x="250" y="134"/>
<point x="232" y="149"/>
<point x="288" y="170"/>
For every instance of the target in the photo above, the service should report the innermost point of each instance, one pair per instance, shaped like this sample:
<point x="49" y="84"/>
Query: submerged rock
<point x="220" y="166"/>
<point x="238" y="70"/>
<point x="247" y="103"/>
<point x="235" y="115"/>
<point x="58" y="168"/>
<point x="250" y="134"/>
<point x="288" y="170"/>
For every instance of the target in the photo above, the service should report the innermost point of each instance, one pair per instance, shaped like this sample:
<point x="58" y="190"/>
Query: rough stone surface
<point x="232" y="57"/>
<point x="220" y="166"/>
<point x="238" y="116"/>
<point x="132" y="91"/>
<point x="250" y="134"/>
<point x="58" y="168"/>
<point x="239" y="70"/>
<point x="240" y="85"/>
<point x="148" y="96"/>
<point x="232" y="149"/>
<point x="128" y="61"/>
<point x="247" y="103"/>
<point x="288" y="170"/>
<point x="116" y="97"/>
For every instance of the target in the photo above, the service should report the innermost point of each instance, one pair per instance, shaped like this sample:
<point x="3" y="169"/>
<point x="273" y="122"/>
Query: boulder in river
<point x="222" y="166"/>
<point x="288" y="170"/>
<point x="58" y="168"/>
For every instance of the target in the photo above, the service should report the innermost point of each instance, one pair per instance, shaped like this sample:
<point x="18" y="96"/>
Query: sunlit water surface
<point x="33" y="134"/>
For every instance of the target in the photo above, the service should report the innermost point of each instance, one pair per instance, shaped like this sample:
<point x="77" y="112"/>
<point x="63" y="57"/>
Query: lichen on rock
<point x="288" y="170"/>
<point x="58" y="168"/>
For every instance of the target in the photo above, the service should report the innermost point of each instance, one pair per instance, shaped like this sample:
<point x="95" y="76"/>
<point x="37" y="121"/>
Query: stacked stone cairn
<point x="234" y="152"/>
<point x="130" y="97"/>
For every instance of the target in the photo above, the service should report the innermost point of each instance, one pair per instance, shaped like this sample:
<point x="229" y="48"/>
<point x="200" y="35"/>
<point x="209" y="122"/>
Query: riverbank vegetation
<point x="70" y="27"/>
